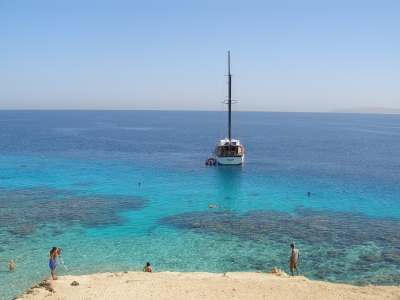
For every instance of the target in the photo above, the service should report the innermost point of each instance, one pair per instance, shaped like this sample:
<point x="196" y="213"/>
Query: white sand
<point x="168" y="285"/>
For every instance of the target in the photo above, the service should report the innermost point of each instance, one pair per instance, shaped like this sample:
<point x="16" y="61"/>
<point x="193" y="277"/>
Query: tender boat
<point x="229" y="151"/>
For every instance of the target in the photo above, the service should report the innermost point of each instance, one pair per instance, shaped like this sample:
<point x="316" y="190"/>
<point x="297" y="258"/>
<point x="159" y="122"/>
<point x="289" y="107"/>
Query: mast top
<point x="229" y="62"/>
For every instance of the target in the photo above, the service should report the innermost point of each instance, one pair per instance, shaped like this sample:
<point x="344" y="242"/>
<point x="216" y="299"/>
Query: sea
<point x="117" y="189"/>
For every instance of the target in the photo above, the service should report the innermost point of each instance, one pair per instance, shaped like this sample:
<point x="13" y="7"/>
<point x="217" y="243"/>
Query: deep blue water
<point x="71" y="179"/>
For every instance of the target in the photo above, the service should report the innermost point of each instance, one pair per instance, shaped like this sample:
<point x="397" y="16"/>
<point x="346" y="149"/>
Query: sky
<point x="295" y="56"/>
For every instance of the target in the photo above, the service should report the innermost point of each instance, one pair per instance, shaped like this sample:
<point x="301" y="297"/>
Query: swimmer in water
<point x="11" y="265"/>
<point x="147" y="268"/>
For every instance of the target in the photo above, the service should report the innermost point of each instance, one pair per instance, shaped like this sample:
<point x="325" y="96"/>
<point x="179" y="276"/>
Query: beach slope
<point x="174" y="285"/>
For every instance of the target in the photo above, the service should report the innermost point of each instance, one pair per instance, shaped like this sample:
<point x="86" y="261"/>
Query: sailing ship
<point x="229" y="151"/>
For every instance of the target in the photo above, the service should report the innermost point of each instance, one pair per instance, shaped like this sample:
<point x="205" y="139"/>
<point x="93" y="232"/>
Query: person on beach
<point x="11" y="265"/>
<point x="147" y="268"/>
<point x="294" y="258"/>
<point x="53" y="262"/>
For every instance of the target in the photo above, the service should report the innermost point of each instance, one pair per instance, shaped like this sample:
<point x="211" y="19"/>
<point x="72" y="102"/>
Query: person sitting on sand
<point x="147" y="268"/>
<point x="11" y="265"/>
<point x="53" y="262"/>
<point x="294" y="258"/>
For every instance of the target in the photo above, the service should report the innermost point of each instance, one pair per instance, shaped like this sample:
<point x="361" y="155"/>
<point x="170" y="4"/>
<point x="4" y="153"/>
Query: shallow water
<point x="71" y="179"/>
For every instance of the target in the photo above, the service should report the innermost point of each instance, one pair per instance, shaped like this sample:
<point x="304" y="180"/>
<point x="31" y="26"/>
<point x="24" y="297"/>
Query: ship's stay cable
<point x="237" y="121"/>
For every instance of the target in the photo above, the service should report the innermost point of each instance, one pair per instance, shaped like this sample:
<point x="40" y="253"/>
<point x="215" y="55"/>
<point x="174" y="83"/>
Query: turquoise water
<point x="71" y="180"/>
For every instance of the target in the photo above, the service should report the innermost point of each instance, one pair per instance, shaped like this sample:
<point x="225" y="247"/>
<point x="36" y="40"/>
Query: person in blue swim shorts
<point x="53" y="262"/>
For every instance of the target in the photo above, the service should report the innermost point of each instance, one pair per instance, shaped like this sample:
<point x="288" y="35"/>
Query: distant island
<point x="368" y="110"/>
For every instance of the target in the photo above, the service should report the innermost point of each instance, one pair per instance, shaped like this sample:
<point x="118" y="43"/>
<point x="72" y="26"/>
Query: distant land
<point x="369" y="110"/>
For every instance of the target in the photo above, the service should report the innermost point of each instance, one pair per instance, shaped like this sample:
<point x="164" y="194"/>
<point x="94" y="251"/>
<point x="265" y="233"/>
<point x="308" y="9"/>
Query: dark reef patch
<point x="332" y="236"/>
<point x="371" y="258"/>
<point x="392" y="255"/>
<point x="312" y="227"/>
<point x="23" y="230"/>
<point x="39" y="207"/>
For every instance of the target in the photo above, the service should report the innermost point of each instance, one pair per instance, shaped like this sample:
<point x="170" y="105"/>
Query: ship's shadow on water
<point x="338" y="232"/>
<point x="230" y="181"/>
<point x="25" y="210"/>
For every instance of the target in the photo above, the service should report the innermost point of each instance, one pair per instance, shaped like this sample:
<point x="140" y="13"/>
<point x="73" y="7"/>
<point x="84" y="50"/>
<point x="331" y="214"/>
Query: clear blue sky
<point x="285" y="55"/>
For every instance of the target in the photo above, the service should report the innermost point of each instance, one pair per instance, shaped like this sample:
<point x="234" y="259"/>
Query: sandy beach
<point x="175" y="285"/>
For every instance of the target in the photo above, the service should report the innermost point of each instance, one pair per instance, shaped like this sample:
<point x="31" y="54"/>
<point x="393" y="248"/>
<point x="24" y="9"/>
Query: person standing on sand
<point x="147" y="268"/>
<point x="53" y="262"/>
<point x="294" y="258"/>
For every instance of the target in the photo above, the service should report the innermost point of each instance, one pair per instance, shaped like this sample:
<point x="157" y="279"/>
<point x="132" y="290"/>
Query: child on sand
<point x="11" y="265"/>
<point x="147" y="268"/>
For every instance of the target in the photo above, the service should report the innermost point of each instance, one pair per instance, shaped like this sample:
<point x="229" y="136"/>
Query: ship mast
<point x="229" y="96"/>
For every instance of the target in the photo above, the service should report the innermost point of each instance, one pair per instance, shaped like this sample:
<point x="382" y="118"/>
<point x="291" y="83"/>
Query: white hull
<point x="229" y="152"/>
<point x="230" y="160"/>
